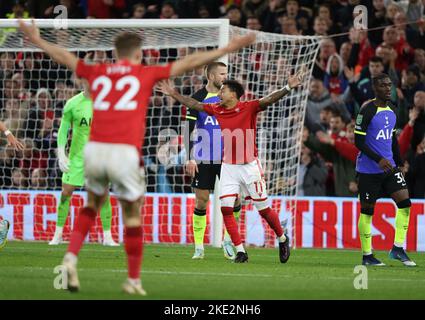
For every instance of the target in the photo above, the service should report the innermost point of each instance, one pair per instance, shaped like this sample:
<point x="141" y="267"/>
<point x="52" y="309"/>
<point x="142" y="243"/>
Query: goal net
<point x="34" y="90"/>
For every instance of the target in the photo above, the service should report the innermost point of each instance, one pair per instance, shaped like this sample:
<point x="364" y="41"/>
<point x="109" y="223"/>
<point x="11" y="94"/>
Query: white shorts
<point x="118" y="164"/>
<point x="244" y="179"/>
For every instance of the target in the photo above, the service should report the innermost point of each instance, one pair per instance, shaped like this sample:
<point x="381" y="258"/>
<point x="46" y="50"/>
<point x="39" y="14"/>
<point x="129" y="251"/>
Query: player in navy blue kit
<point x="205" y="157"/>
<point x="378" y="172"/>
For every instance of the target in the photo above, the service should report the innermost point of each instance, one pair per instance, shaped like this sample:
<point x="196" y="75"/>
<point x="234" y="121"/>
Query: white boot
<point x="57" y="238"/>
<point x="108" y="241"/>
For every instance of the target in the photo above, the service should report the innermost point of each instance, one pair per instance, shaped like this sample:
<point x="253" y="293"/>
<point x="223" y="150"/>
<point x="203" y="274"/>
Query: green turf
<point x="26" y="272"/>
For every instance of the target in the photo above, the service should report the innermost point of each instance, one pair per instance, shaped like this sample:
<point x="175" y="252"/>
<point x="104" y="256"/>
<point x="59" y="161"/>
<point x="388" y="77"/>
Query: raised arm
<point x="60" y="55"/>
<point x="166" y="87"/>
<point x="198" y="59"/>
<point x="11" y="140"/>
<point x="293" y="82"/>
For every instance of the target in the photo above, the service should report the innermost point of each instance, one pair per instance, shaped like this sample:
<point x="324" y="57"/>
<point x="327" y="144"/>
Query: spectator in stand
<point x="139" y="11"/>
<point x="392" y="9"/>
<point x="415" y="11"/>
<point x="288" y="25"/>
<point x="406" y="135"/>
<point x="343" y="169"/>
<point x="19" y="180"/>
<point x="168" y="10"/>
<point x="420" y="62"/>
<point x="334" y="80"/>
<point x="320" y="107"/>
<point x="39" y="179"/>
<point x="361" y="50"/>
<point x="388" y="56"/>
<point x="320" y="27"/>
<point x="405" y="52"/>
<point x="106" y="9"/>
<point x="32" y="159"/>
<point x="377" y="18"/>
<point x="9" y="162"/>
<point x="312" y="174"/>
<point x="327" y="49"/>
<point x="362" y="89"/>
<point x="44" y="108"/>
<point x="407" y="32"/>
<point x="345" y="52"/>
<point x="253" y="23"/>
<point x="15" y="117"/>
<point x="20" y="85"/>
<point x="235" y="16"/>
<point x="410" y="83"/>
<point x="254" y="8"/>
<point x="269" y="18"/>
<point x="301" y="17"/>
<point x="40" y="8"/>
<point x="324" y="13"/>
<point x="204" y="12"/>
<point x="419" y="126"/>
<point x="345" y="147"/>
<point x="19" y="11"/>
<point x="416" y="173"/>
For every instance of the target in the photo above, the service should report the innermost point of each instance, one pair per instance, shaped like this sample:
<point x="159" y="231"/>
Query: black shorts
<point x="375" y="186"/>
<point x="205" y="177"/>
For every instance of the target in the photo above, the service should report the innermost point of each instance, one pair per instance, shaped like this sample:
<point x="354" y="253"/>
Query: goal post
<point x="34" y="90"/>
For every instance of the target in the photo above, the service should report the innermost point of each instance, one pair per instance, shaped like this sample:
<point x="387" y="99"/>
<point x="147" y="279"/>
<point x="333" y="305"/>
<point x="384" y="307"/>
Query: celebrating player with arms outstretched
<point x="205" y="166"/>
<point x="241" y="172"/>
<point x="120" y="92"/>
<point x="377" y="167"/>
<point x="77" y="114"/>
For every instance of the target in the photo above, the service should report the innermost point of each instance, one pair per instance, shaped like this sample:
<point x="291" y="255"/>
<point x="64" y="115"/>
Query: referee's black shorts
<point x="205" y="177"/>
<point x="375" y="186"/>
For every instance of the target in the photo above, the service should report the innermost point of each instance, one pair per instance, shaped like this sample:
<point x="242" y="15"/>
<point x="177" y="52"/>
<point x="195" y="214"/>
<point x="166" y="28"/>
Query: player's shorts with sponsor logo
<point x="246" y="180"/>
<point x="75" y="174"/>
<point x="118" y="164"/>
<point x="205" y="177"/>
<point x="378" y="185"/>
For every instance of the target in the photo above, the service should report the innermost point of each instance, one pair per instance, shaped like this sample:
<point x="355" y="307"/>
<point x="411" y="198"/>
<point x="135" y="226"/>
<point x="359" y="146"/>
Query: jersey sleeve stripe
<point x="360" y="132"/>
<point x="191" y="118"/>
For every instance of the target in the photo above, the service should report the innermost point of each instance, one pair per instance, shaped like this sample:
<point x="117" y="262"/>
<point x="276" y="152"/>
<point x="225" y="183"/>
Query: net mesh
<point x="34" y="90"/>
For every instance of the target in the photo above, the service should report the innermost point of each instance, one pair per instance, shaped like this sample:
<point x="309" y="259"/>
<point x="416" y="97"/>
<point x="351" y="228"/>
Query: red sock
<point x="231" y="225"/>
<point x="85" y="220"/>
<point x="272" y="219"/>
<point x="133" y="241"/>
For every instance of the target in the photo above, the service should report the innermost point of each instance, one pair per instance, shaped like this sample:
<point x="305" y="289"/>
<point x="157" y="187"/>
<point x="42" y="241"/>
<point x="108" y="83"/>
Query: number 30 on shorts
<point x="400" y="178"/>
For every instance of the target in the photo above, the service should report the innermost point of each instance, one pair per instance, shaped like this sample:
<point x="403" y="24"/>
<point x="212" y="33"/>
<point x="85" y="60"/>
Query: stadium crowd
<point x="34" y="89"/>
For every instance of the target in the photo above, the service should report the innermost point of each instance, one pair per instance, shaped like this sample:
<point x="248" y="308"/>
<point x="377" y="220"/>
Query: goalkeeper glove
<point x="63" y="160"/>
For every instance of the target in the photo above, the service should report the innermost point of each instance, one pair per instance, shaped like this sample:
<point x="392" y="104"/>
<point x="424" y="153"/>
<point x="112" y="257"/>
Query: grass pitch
<point x="26" y="272"/>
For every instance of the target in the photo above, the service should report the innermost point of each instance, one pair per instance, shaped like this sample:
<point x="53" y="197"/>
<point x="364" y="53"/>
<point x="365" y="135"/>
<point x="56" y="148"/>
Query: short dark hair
<point x="379" y="77"/>
<point x="126" y="42"/>
<point x="212" y="66"/>
<point x="377" y="59"/>
<point x="336" y="114"/>
<point x="328" y="108"/>
<point x="235" y="86"/>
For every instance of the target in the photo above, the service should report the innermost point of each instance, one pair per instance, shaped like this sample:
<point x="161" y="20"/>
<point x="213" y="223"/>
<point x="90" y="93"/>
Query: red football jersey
<point x="239" y="130"/>
<point x="120" y="93"/>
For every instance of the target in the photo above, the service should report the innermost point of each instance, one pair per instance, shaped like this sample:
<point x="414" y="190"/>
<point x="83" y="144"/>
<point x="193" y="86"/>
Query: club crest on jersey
<point x="359" y="119"/>
<point x="385" y="134"/>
